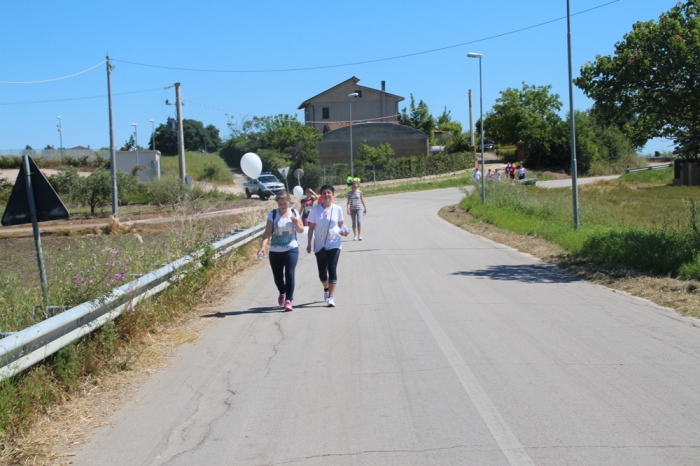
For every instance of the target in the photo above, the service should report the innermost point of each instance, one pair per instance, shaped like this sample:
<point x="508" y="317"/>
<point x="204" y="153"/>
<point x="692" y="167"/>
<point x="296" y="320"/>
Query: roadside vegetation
<point x="87" y="267"/>
<point x="654" y="229"/>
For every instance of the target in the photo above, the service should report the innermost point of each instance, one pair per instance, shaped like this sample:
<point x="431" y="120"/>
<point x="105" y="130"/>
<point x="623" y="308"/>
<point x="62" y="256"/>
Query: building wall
<point x="372" y="104"/>
<point x="406" y="141"/>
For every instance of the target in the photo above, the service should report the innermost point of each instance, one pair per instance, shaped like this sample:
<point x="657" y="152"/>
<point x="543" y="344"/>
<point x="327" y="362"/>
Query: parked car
<point x="489" y="144"/>
<point x="265" y="186"/>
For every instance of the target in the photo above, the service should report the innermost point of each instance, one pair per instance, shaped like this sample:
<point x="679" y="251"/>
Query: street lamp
<point x="481" y="117"/>
<point x="354" y="95"/>
<point x="136" y="141"/>
<point x="60" y="133"/>
<point x="153" y="134"/>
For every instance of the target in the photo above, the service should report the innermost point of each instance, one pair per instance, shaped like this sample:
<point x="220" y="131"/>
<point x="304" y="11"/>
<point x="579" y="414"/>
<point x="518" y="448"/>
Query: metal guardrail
<point x="653" y="167"/>
<point x="23" y="349"/>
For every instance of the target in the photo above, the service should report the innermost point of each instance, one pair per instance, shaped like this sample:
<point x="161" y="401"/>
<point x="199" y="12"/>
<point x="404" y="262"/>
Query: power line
<point x="79" y="98"/>
<point x="55" y="79"/>
<point x="310" y="68"/>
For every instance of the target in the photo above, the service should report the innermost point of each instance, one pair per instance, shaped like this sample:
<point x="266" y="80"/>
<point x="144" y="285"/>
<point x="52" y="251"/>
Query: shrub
<point x="11" y="161"/>
<point x="211" y="171"/>
<point x="168" y="191"/>
<point x="65" y="180"/>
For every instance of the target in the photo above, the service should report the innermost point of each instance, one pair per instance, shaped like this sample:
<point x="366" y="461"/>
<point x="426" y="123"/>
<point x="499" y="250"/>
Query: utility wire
<point x="80" y="98"/>
<point x="55" y="79"/>
<point x="282" y="70"/>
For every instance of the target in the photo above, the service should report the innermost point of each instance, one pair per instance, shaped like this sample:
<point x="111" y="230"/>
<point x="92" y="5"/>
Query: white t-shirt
<point x="326" y="232"/>
<point x="477" y="175"/>
<point x="284" y="235"/>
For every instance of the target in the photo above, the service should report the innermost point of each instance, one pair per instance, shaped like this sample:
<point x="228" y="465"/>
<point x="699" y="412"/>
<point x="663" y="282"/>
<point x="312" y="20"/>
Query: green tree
<point x="28" y="147"/>
<point x="649" y="87"/>
<point x="95" y="190"/>
<point x="369" y="155"/>
<point x="419" y="118"/>
<point x="528" y="114"/>
<point x="196" y="137"/>
<point x="279" y="139"/>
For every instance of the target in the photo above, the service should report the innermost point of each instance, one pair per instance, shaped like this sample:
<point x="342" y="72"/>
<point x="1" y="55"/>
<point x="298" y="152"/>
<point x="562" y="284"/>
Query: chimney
<point x="383" y="86"/>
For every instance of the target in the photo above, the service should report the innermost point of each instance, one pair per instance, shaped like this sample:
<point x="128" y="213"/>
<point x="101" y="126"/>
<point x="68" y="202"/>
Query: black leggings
<point x="327" y="266"/>
<point x="283" y="266"/>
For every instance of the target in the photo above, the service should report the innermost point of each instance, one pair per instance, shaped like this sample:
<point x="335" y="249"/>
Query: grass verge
<point x="202" y="167"/>
<point x="680" y="295"/>
<point x="116" y="347"/>
<point x="440" y="183"/>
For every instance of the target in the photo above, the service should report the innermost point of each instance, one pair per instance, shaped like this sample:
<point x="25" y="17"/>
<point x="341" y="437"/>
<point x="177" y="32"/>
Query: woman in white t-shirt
<point x="325" y="229"/>
<point x="283" y="224"/>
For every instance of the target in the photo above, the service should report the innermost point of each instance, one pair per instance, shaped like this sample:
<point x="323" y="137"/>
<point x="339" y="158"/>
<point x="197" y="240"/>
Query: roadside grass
<point x="202" y="167"/>
<point x="654" y="230"/>
<point x="417" y="185"/>
<point x="85" y="268"/>
<point x="662" y="176"/>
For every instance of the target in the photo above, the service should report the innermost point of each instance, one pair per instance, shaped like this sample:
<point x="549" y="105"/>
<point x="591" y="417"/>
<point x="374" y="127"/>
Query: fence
<point x="652" y="167"/>
<point x="55" y="155"/>
<point x="23" y="349"/>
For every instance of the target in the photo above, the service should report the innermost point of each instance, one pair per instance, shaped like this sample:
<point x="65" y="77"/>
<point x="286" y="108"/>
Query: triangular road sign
<point x="48" y="205"/>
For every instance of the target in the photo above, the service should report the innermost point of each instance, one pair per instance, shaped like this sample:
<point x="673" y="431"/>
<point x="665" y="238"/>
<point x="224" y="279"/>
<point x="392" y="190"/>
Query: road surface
<point x="445" y="349"/>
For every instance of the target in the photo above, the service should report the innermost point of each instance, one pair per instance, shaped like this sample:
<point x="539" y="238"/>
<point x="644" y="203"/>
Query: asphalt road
<point x="445" y="349"/>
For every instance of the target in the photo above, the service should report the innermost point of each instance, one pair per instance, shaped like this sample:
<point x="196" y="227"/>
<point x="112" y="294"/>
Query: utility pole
<point x="471" y="119"/>
<point x="112" y="149"/>
<point x="180" y="135"/>
<point x="574" y="168"/>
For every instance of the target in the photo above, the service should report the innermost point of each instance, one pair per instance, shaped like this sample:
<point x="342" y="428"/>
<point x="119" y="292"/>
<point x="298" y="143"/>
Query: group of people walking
<point x="326" y="227"/>
<point x="510" y="171"/>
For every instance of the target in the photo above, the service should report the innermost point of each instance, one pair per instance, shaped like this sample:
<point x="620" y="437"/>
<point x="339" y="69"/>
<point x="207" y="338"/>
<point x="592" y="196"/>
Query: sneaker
<point x="280" y="299"/>
<point x="359" y="238"/>
<point x="330" y="301"/>
<point x="288" y="306"/>
<point x="325" y="295"/>
<point x="354" y="238"/>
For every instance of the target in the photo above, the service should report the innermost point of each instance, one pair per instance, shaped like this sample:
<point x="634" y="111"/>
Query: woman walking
<point x="283" y="224"/>
<point x="325" y="230"/>
<point x="356" y="205"/>
<point x="307" y="203"/>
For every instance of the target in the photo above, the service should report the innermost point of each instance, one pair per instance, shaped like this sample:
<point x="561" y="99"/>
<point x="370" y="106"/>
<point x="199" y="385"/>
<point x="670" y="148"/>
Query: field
<point x="636" y="222"/>
<point x="202" y="167"/>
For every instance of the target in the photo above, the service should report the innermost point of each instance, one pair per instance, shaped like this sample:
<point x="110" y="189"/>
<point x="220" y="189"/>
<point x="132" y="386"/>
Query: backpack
<point x="274" y="214"/>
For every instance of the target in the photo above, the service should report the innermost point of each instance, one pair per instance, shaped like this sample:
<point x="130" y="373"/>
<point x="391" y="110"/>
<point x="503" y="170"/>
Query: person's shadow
<point x="264" y="310"/>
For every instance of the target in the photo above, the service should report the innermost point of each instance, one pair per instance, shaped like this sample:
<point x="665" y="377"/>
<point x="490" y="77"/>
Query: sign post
<point x="34" y="200"/>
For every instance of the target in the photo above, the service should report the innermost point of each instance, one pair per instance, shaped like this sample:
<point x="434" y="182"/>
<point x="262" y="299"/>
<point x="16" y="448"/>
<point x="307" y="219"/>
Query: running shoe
<point x="359" y="238"/>
<point x="280" y="299"/>
<point x="326" y="294"/>
<point x="288" y="306"/>
<point x="330" y="301"/>
<point x="354" y="238"/>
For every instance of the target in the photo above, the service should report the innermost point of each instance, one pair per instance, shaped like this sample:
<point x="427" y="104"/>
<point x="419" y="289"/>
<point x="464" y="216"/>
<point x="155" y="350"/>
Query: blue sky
<point x="47" y="40"/>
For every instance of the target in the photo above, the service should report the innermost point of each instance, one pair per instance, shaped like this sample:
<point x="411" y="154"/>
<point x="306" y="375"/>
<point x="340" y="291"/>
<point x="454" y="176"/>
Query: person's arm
<point x="362" y="198"/>
<point x="340" y="223"/>
<point x="298" y="223"/>
<point x="347" y="207"/>
<point x="265" y="237"/>
<point x="312" y="227"/>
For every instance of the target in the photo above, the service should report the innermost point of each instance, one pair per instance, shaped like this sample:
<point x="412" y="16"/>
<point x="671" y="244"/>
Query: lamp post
<point x="481" y="117"/>
<point x="354" y="95"/>
<point x="136" y="141"/>
<point x="60" y="134"/>
<point x="153" y="134"/>
<point x="574" y="169"/>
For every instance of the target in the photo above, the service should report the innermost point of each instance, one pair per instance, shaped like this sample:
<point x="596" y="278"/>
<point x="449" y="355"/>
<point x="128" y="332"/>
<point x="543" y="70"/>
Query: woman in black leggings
<point x="325" y="231"/>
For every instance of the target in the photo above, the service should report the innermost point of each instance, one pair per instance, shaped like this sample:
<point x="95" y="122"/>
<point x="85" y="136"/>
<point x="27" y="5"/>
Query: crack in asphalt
<point x="364" y="452"/>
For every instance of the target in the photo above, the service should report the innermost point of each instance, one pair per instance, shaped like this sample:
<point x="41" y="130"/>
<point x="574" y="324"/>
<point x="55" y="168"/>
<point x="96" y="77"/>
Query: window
<point x="326" y="113"/>
<point x="359" y="94"/>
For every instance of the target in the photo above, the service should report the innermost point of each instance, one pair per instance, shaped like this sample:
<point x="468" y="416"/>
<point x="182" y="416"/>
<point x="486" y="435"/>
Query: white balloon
<point x="298" y="191"/>
<point x="251" y="165"/>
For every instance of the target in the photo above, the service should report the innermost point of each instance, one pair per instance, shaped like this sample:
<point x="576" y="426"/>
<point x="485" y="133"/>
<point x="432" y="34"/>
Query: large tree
<point x="528" y="114"/>
<point x="196" y="137"/>
<point x="650" y="87"/>
<point x="420" y="118"/>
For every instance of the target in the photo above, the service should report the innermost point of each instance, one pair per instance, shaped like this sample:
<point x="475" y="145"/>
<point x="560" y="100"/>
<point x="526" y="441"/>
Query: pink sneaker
<point x="280" y="299"/>
<point x="288" y="306"/>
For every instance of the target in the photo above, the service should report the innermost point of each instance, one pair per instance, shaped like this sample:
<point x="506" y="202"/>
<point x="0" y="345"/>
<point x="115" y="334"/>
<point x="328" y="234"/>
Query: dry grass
<point x="681" y="295"/>
<point x="148" y="338"/>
